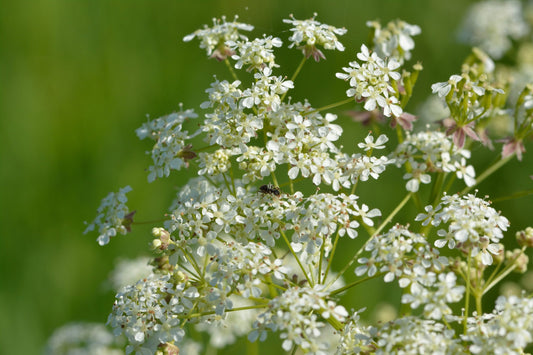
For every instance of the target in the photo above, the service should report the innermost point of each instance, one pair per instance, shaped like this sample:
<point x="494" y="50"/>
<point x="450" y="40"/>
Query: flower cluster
<point x="432" y="152"/>
<point x="307" y="34"/>
<point x="372" y="82"/>
<point x="411" y="335"/>
<point x="355" y="337"/>
<point x="257" y="54"/>
<point x="147" y="313"/>
<point x="113" y="216"/>
<point x="289" y="314"/>
<point x="473" y="226"/>
<point x="406" y="256"/>
<point x="505" y="331"/>
<point x="246" y="249"/>
<point x="470" y="97"/>
<point x="170" y="152"/>
<point x="394" y="40"/>
<point x="213" y="39"/>
<point x="199" y="219"/>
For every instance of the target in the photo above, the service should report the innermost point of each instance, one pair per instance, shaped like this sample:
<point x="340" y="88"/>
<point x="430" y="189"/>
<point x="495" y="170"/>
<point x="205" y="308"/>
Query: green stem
<point x="293" y="77"/>
<point x="488" y="172"/>
<point x="436" y="191"/>
<point x="375" y="234"/>
<point x="327" y="107"/>
<point x="399" y="134"/>
<point x="355" y="283"/>
<point x="296" y="257"/>
<point x="206" y="313"/>
<point x="228" y="64"/>
<point x="479" y="307"/>
<point x="393" y="213"/>
<point x="503" y="274"/>
<point x="417" y="201"/>
<point x="271" y="286"/>
<point x="467" y="297"/>
<point x="321" y="260"/>
<point x="330" y="259"/>
<point x="300" y="66"/>
<point x="505" y="198"/>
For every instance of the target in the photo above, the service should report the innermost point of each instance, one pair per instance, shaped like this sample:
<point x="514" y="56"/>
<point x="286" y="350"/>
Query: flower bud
<point x="518" y="259"/>
<point x="525" y="237"/>
<point x="162" y="263"/>
<point x="163" y="238"/>
<point x="168" y="349"/>
<point x="156" y="244"/>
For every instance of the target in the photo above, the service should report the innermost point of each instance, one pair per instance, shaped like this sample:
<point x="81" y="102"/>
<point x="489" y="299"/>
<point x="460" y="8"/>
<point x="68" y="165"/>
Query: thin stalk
<point x="399" y="134"/>
<point x="479" y="306"/>
<point x="488" y="172"/>
<point x="293" y="77"/>
<point x="505" y="198"/>
<point x="230" y="68"/>
<point x="206" y="313"/>
<point x="297" y="71"/>
<point x="271" y="286"/>
<point x="355" y="283"/>
<point x="376" y="233"/>
<point x="417" y="201"/>
<point x="296" y="257"/>
<point x="327" y="107"/>
<point x="467" y="297"/>
<point x="493" y="274"/>
<point x="321" y="259"/>
<point x="227" y="184"/>
<point x="502" y="275"/>
<point x="436" y="190"/>
<point x="330" y="259"/>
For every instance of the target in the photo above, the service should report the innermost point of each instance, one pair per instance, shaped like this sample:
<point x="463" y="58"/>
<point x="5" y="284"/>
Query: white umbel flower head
<point x="308" y="34"/>
<point x="395" y="39"/>
<point x="371" y="81"/>
<point x="113" y="216"/>
<point x="213" y="39"/>
<point x="471" y="224"/>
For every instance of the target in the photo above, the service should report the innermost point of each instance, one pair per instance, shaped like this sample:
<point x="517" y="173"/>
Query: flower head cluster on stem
<point x="246" y="250"/>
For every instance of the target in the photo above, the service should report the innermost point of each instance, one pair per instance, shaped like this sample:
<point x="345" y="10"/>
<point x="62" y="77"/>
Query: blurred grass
<point x="79" y="76"/>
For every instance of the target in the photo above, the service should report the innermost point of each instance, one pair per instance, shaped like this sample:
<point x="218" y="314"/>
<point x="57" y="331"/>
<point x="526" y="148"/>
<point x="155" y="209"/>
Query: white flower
<point x="507" y="330"/>
<point x="213" y="39"/>
<point x="170" y="151"/>
<point x="113" y="216"/>
<point x="412" y="335"/>
<point x="257" y="54"/>
<point x="371" y="81"/>
<point x="395" y="39"/>
<point x="472" y="222"/>
<point x="307" y="34"/>
<point x="442" y="89"/>
<point x="432" y="152"/>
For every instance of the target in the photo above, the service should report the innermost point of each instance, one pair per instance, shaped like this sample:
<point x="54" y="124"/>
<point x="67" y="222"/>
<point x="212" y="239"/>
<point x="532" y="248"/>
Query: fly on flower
<point x="270" y="190"/>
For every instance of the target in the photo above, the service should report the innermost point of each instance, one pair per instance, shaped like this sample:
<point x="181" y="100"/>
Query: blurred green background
<point x="79" y="76"/>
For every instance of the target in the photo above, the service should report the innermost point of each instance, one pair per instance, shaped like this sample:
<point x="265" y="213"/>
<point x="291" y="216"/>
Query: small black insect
<point x="270" y="189"/>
